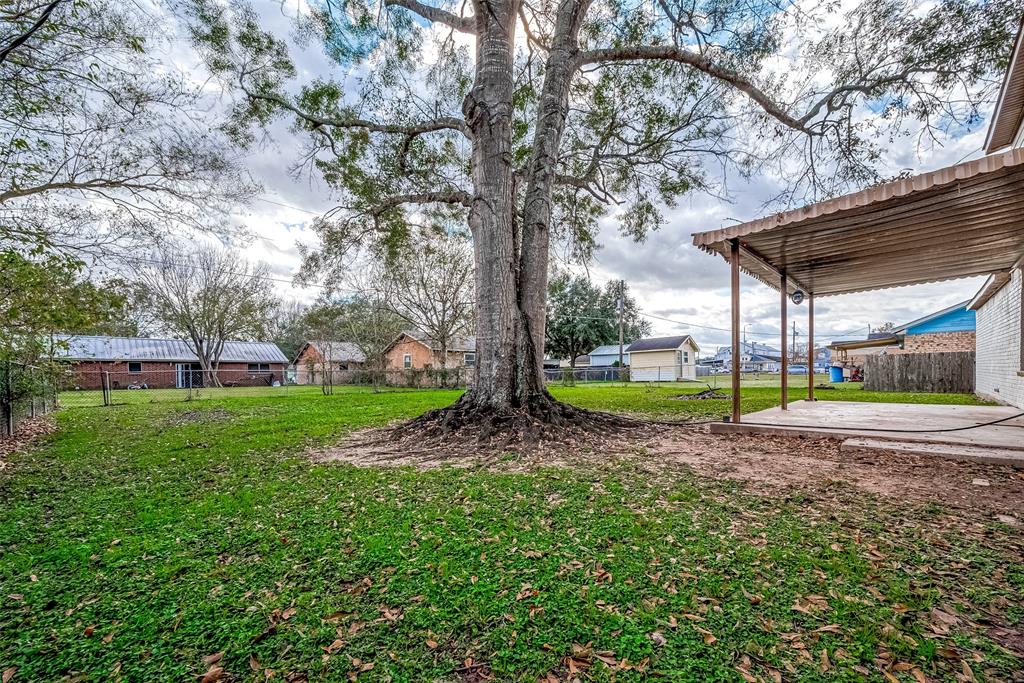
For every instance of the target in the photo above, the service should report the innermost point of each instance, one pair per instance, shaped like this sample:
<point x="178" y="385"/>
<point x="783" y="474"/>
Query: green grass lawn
<point x="141" y="539"/>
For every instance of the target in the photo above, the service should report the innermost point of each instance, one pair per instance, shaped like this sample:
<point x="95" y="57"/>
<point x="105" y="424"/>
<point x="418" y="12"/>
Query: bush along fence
<point x="26" y="392"/>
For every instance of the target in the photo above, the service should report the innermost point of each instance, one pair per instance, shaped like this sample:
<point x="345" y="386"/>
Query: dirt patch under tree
<point x="766" y="463"/>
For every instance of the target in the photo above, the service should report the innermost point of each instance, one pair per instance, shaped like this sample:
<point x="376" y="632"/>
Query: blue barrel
<point x="835" y="374"/>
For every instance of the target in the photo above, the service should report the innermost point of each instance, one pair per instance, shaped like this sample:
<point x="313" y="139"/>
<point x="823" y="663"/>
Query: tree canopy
<point x="208" y="297"/>
<point x="101" y="138"/>
<point x="582" y="316"/>
<point x="44" y="296"/>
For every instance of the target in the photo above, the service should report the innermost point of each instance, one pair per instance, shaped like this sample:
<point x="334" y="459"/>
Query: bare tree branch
<point x="437" y="197"/>
<point x="436" y="15"/>
<point x="675" y="54"/>
<point x="412" y="130"/>
<point x="21" y="39"/>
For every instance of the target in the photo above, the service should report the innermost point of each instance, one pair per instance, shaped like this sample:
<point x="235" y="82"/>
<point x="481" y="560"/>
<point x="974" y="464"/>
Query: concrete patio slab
<point x="905" y="422"/>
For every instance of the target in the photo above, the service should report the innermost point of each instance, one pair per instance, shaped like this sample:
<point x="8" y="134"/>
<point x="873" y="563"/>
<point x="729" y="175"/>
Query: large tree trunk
<point x="488" y="111"/>
<point x="512" y="263"/>
<point x="536" y="233"/>
<point x="509" y="398"/>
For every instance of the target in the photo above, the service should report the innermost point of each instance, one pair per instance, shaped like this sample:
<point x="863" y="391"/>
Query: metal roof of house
<point x="1009" y="112"/>
<point x="960" y="221"/>
<point x="85" y="348"/>
<point x="660" y="343"/>
<point x="875" y="340"/>
<point x="931" y="316"/>
<point x="335" y="351"/>
<point x="456" y="344"/>
<point x="609" y="350"/>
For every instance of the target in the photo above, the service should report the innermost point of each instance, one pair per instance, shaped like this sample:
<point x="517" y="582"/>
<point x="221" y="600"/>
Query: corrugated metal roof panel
<point x="86" y="347"/>
<point x="961" y="221"/>
<point x="608" y="349"/>
<point x="455" y="344"/>
<point x="339" y="351"/>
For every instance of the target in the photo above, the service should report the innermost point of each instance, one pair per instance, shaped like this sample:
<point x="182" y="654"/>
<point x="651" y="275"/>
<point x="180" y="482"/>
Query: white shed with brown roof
<point x="663" y="359"/>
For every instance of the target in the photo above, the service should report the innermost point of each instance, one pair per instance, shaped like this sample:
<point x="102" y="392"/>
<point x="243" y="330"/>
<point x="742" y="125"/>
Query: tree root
<point x="541" y="420"/>
<point x="468" y="430"/>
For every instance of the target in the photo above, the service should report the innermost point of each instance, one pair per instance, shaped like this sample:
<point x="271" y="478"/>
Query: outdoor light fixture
<point x="797" y="297"/>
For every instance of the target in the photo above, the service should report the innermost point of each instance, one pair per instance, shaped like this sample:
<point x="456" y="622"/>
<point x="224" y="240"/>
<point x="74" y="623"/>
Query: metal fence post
<point x="106" y="387"/>
<point x="8" y="399"/>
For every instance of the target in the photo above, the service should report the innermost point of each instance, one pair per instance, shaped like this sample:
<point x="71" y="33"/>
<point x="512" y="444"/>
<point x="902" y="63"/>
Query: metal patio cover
<point x="956" y="222"/>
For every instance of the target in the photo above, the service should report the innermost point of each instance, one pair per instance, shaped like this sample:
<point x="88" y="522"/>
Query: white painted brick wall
<point x="999" y="346"/>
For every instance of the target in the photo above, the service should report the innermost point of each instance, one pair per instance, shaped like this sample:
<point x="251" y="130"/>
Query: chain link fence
<point x="26" y="392"/>
<point x="609" y="373"/>
<point x="79" y="387"/>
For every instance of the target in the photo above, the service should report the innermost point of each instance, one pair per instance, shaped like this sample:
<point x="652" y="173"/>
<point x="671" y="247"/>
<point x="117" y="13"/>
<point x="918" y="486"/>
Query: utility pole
<point x="621" y="306"/>
<point x="793" y="355"/>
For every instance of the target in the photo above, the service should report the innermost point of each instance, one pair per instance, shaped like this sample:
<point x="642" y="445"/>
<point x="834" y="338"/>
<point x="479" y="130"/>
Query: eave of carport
<point x="956" y="222"/>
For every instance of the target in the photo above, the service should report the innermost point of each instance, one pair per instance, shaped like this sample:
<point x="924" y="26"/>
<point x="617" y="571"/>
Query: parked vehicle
<point x="798" y="369"/>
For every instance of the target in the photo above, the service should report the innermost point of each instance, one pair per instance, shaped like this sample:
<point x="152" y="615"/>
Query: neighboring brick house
<point x="136" y="362"/>
<point x="416" y="351"/>
<point x="951" y="329"/>
<point x="948" y="330"/>
<point x="315" y="359"/>
<point x="999" y="364"/>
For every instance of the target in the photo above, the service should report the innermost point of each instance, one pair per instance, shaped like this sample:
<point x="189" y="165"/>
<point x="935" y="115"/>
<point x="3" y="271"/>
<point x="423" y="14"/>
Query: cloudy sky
<point x="682" y="288"/>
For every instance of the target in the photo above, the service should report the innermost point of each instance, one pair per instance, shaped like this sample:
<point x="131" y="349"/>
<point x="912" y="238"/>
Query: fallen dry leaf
<point x="9" y="674"/>
<point x="746" y="675"/>
<point x="215" y="673"/>
<point x="709" y="639"/>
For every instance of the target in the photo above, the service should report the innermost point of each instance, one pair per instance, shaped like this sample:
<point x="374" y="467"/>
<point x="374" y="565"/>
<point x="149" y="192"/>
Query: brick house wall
<point x="163" y="374"/>
<point x="422" y="356"/>
<point x="998" y="363"/>
<point x="939" y="342"/>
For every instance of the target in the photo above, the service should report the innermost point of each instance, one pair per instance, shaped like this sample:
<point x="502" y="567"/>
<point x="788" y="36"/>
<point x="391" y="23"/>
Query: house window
<point x="469" y="359"/>
<point x="259" y="368"/>
<point x="686" y="356"/>
<point x="679" y="358"/>
<point x="407" y="361"/>
<point x="135" y="367"/>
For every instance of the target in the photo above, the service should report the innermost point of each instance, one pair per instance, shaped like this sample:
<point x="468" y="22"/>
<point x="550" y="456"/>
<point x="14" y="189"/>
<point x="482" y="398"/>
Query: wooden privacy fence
<point x="933" y="373"/>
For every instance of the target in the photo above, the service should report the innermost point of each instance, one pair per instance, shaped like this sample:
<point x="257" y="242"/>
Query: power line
<point x="290" y="206"/>
<point x="178" y="264"/>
